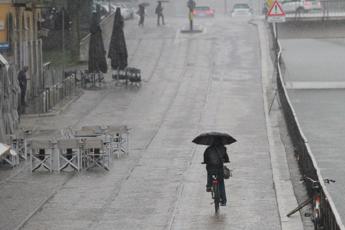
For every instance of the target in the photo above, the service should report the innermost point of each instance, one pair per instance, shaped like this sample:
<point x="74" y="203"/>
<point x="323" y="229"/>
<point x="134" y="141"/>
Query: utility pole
<point x="63" y="39"/>
<point x="74" y="10"/>
<point x="225" y="7"/>
<point x="109" y="5"/>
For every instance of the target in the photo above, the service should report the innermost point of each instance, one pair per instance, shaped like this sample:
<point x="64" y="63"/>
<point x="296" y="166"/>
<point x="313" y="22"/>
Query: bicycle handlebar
<point x="310" y="179"/>
<point x="327" y="181"/>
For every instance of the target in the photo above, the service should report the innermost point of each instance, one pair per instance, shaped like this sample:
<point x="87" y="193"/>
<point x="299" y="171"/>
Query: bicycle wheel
<point x="300" y="206"/>
<point x="317" y="221"/>
<point x="317" y="225"/>
<point x="216" y="197"/>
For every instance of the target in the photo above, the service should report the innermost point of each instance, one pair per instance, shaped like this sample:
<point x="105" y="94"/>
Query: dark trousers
<point x="22" y="101"/>
<point x="220" y="176"/>
<point x="159" y="16"/>
<point x="141" y="21"/>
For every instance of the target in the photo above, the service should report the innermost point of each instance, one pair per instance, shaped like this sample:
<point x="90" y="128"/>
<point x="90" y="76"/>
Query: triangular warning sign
<point x="276" y="10"/>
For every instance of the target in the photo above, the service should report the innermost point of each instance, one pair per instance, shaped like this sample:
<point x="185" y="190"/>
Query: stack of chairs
<point x="95" y="155"/>
<point x="69" y="154"/>
<point x="41" y="154"/>
<point x="134" y="75"/>
<point x="18" y="144"/>
<point x="89" y="147"/>
<point x="129" y="75"/>
<point x="119" y="142"/>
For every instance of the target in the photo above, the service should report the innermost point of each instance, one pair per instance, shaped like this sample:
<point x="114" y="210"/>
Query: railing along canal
<point x="308" y="166"/>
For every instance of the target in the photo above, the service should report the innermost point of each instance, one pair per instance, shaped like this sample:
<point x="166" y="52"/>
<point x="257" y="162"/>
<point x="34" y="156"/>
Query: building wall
<point x="25" y="46"/>
<point x="5" y="10"/>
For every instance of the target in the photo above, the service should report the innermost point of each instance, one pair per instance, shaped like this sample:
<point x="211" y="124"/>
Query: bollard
<point x="61" y="91"/>
<point x="44" y="97"/>
<point x="69" y="86"/>
<point x="57" y="94"/>
<point x="49" y="98"/>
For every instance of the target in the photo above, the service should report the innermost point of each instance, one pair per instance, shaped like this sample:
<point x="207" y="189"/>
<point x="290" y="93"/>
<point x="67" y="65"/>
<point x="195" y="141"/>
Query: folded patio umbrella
<point x="117" y="48"/>
<point x="97" y="61"/>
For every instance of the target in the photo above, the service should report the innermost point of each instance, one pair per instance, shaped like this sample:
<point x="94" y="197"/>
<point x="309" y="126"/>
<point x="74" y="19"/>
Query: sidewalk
<point x="281" y="176"/>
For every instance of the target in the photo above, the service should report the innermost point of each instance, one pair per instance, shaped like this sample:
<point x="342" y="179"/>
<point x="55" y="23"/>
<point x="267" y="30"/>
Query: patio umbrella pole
<point x="94" y="79"/>
<point x="118" y="76"/>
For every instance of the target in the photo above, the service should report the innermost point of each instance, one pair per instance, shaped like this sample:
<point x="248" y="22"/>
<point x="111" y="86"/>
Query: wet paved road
<point x="320" y="112"/>
<point x="192" y="83"/>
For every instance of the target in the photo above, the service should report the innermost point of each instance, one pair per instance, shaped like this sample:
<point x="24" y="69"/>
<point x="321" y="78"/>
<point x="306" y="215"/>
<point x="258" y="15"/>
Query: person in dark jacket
<point x="141" y="13"/>
<point x="214" y="157"/>
<point x="159" y="12"/>
<point x="22" y="79"/>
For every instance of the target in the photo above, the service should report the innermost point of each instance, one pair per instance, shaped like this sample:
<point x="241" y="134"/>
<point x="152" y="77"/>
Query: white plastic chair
<point x="41" y="154"/>
<point x="8" y="155"/>
<point x="69" y="154"/>
<point x="94" y="154"/>
<point x="18" y="144"/>
<point x="119" y="139"/>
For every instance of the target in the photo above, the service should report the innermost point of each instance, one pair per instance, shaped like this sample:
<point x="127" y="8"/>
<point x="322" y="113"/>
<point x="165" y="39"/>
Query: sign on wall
<point x="2" y="25"/>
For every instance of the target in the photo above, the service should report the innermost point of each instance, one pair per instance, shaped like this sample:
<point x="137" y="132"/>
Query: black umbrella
<point x="117" y="48"/>
<point x="210" y="137"/>
<point x="97" y="61"/>
<point x="144" y="4"/>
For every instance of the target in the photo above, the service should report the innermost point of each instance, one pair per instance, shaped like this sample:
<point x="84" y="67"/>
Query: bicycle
<point x="215" y="192"/>
<point x="215" y="186"/>
<point x="315" y="201"/>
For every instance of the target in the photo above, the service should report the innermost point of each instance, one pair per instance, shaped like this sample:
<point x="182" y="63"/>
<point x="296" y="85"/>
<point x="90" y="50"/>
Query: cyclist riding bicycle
<point x="214" y="157"/>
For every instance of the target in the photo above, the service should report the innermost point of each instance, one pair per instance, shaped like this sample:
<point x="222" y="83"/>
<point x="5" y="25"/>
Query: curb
<point x="283" y="187"/>
<point x="57" y="111"/>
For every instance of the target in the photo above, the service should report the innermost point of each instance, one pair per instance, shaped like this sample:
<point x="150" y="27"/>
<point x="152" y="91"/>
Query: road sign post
<point x="276" y="13"/>
<point x="191" y="5"/>
<point x="276" y="35"/>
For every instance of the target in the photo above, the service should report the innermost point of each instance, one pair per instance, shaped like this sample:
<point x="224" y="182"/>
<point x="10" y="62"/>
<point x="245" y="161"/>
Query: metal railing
<point x="53" y="95"/>
<point x="333" y="6"/>
<point x="324" y="9"/>
<point x="57" y="87"/>
<point x="330" y="217"/>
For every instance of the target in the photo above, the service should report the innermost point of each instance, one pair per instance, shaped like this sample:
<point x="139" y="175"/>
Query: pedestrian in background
<point x="159" y="12"/>
<point x="22" y="79"/>
<point x="141" y="13"/>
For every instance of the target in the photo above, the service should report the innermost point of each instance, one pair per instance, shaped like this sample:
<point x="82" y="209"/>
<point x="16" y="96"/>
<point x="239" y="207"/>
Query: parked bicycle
<point x="315" y="201"/>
